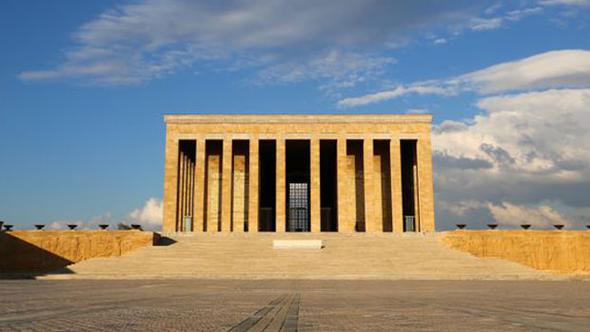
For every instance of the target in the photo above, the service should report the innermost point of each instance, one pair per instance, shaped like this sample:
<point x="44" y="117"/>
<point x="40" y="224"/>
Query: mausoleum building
<point x="298" y="173"/>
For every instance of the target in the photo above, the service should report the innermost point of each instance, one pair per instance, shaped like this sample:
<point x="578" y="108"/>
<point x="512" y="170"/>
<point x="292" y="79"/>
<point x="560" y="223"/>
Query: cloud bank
<point x="553" y="69"/>
<point x="282" y="40"/>
<point x="526" y="158"/>
<point x="149" y="216"/>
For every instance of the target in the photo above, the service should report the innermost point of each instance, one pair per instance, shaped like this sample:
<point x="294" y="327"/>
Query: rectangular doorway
<point x="267" y="172"/>
<point x="298" y="207"/>
<point x="297" y="172"/>
<point x="409" y="185"/>
<point x="328" y="190"/>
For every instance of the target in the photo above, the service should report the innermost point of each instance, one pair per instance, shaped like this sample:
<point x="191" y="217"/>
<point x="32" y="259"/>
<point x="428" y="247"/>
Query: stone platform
<point x="345" y="256"/>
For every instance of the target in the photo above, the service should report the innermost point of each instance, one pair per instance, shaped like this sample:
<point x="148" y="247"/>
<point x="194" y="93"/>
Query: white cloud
<point x="396" y="92"/>
<point x="143" y="40"/>
<point x="541" y="216"/>
<point x="545" y="134"/>
<point x="582" y="3"/>
<point x="149" y="215"/>
<point x="338" y="69"/>
<point x="63" y="224"/>
<point x="440" y="41"/>
<point x="528" y="149"/>
<point x="480" y="24"/>
<point x="554" y="69"/>
<point x="491" y="23"/>
<point x="462" y="207"/>
<point x="83" y="224"/>
<point x="417" y="111"/>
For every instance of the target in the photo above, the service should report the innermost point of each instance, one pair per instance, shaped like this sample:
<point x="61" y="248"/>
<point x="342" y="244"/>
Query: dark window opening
<point x="267" y="185"/>
<point x="328" y="189"/>
<point x="409" y="183"/>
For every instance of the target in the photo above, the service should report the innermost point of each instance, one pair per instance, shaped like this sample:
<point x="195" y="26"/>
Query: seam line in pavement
<point x="290" y="322"/>
<point x="251" y="320"/>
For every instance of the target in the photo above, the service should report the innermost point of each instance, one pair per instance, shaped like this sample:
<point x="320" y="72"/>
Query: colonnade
<point x="215" y="183"/>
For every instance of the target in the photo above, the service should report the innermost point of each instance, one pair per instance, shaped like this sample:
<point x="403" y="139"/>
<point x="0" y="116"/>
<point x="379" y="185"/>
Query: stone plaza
<point x="206" y="305"/>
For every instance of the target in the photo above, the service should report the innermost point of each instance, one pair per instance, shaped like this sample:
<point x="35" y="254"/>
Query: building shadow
<point x="20" y="259"/>
<point x="164" y="241"/>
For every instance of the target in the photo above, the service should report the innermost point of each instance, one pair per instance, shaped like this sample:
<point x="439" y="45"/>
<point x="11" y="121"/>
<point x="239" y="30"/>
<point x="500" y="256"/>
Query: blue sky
<point x="83" y="86"/>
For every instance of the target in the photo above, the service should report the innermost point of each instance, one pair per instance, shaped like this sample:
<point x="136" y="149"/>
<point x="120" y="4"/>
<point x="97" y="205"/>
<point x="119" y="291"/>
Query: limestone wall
<point x="40" y="251"/>
<point x="553" y="251"/>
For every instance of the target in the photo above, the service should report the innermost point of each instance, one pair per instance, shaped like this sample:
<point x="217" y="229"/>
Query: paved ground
<point x="320" y="305"/>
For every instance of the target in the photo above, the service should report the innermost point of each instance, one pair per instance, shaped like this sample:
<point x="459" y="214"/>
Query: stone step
<point x="345" y="256"/>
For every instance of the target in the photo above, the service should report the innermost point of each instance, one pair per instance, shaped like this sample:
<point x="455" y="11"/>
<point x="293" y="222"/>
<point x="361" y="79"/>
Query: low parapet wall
<point x="552" y="251"/>
<point x="42" y="251"/>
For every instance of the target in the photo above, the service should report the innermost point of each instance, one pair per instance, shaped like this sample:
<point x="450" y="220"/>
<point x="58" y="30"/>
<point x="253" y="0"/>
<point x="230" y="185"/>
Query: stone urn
<point x="72" y="226"/>
<point x="461" y="226"/>
<point x="525" y="226"/>
<point x="39" y="226"/>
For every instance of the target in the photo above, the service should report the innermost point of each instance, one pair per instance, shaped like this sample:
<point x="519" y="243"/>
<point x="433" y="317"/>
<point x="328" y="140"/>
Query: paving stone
<point x="313" y="305"/>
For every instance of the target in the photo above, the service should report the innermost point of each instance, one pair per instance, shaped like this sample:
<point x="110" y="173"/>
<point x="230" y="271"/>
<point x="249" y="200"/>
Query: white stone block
<point x="297" y="244"/>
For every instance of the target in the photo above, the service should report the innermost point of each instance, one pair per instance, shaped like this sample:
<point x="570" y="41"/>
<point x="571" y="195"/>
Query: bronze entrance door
<point x="298" y="216"/>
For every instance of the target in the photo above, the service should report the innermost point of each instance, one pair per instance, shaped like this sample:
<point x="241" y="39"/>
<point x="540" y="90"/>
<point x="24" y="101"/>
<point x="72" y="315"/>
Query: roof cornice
<point x="295" y="118"/>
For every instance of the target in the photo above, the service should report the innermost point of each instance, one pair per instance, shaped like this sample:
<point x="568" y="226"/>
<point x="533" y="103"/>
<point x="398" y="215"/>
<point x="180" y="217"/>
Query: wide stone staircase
<point x="344" y="256"/>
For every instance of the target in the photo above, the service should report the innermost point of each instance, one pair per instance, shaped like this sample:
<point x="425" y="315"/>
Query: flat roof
<point x="296" y="118"/>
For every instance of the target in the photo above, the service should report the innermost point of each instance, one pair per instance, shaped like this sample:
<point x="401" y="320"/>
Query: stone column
<point x="314" y="174"/>
<point x="425" y="202"/>
<point x="226" y="184"/>
<point x="372" y="225"/>
<point x="253" y="186"/>
<point x="199" y="190"/>
<point x="396" y="185"/>
<point x="280" y="185"/>
<point x="345" y="218"/>
<point x="213" y="178"/>
<point x="239" y="191"/>
<point x="170" y="185"/>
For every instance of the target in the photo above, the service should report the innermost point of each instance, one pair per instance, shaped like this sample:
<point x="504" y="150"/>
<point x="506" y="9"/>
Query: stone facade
<point x="363" y="173"/>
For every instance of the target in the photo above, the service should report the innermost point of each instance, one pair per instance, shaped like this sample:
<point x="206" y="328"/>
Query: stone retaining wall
<point x="41" y="251"/>
<point x="552" y="251"/>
